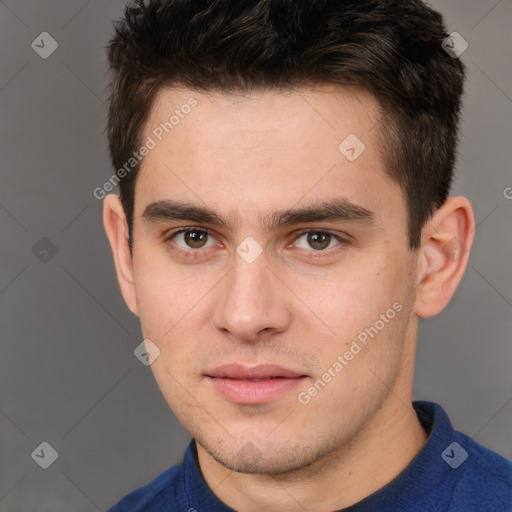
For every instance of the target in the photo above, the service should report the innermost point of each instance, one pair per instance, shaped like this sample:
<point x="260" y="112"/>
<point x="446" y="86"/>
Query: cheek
<point x="156" y="304"/>
<point x="165" y="294"/>
<point x="363" y="312"/>
<point x="350" y="298"/>
<point x="174" y="311"/>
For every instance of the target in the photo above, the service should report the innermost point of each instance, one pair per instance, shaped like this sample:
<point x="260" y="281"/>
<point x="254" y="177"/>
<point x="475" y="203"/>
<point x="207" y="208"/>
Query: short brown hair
<point x="391" y="47"/>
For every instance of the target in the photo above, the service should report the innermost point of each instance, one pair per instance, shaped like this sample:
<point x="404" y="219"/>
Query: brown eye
<point x="319" y="241"/>
<point x="191" y="238"/>
<point x="196" y="239"/>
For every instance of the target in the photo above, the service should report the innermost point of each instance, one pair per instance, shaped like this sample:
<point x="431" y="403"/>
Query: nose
<point x="253" y="303"/>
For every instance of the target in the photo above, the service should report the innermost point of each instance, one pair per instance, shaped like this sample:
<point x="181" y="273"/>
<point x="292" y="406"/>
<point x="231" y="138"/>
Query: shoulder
<point x="459" y="474"/>
<point x="154" y="495"/>
<point x="181" y="488"/>
<point x="485" y="477"/>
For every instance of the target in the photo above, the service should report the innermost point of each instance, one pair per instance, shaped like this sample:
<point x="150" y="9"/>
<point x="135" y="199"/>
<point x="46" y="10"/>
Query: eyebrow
<point x="340" y="210"/>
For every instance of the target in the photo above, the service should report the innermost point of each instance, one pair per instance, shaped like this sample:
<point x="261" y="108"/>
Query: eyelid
<point x="170" y="236"/>
<point x="176" y="231"/>
<point x="342" y="239"/>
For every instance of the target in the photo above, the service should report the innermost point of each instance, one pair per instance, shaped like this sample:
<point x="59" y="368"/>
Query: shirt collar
<point x="403" y="491"/>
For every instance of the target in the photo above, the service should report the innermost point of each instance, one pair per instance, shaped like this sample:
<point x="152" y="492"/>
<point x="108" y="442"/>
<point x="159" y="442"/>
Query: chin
<point x="253" y="458"/>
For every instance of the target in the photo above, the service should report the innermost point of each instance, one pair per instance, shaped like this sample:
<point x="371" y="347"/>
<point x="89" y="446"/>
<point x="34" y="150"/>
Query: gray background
<point x="68" y="375"/>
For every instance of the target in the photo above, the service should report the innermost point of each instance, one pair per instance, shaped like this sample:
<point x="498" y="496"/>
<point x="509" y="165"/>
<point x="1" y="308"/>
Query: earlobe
<point x="443" y="256"/>
<point x="114" y="221"/>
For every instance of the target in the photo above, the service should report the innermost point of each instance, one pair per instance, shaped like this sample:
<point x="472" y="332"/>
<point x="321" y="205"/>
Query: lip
<point x="232" y="381"/>
<point x="241" y="372"/>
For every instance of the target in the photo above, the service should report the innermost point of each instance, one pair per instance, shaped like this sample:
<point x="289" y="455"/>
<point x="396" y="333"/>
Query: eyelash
<point x="196" y="253"/>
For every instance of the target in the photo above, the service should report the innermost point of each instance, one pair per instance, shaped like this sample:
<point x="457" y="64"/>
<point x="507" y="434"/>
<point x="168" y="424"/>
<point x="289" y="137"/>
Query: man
<point x="282" y="225"/>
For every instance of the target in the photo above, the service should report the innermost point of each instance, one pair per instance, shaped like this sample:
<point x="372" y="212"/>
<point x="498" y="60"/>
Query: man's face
<point x="255" y="285"/>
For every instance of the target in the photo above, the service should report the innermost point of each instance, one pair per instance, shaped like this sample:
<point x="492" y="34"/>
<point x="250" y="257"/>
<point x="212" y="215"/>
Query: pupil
<point x="319" y="240"/>
<point x="195" y="239"/>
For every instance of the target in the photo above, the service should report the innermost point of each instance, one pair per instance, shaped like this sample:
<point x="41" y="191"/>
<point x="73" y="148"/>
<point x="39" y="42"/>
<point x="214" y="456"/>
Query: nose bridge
<point x="247" y="284"/>
<point x="250" y="301"/>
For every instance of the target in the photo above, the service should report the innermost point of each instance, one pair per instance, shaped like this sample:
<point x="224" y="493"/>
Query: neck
<point x="376" y="455"/>
<point x="379" y="452"/>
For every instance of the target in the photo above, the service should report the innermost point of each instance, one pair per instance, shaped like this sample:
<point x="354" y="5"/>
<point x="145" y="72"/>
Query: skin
<point x="298" y="306"/>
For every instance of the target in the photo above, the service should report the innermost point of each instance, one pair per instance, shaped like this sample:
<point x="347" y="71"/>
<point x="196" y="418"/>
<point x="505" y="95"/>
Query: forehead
<point x="239" y="151"/>
<point x="250" y="116"/>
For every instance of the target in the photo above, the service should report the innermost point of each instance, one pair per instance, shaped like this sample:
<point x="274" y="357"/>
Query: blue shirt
<point x="451" y="473"/>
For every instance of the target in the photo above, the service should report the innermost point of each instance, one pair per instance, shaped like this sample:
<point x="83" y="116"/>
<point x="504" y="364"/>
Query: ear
<point x="116" y="227"/>
<point x="443" y="255"/>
